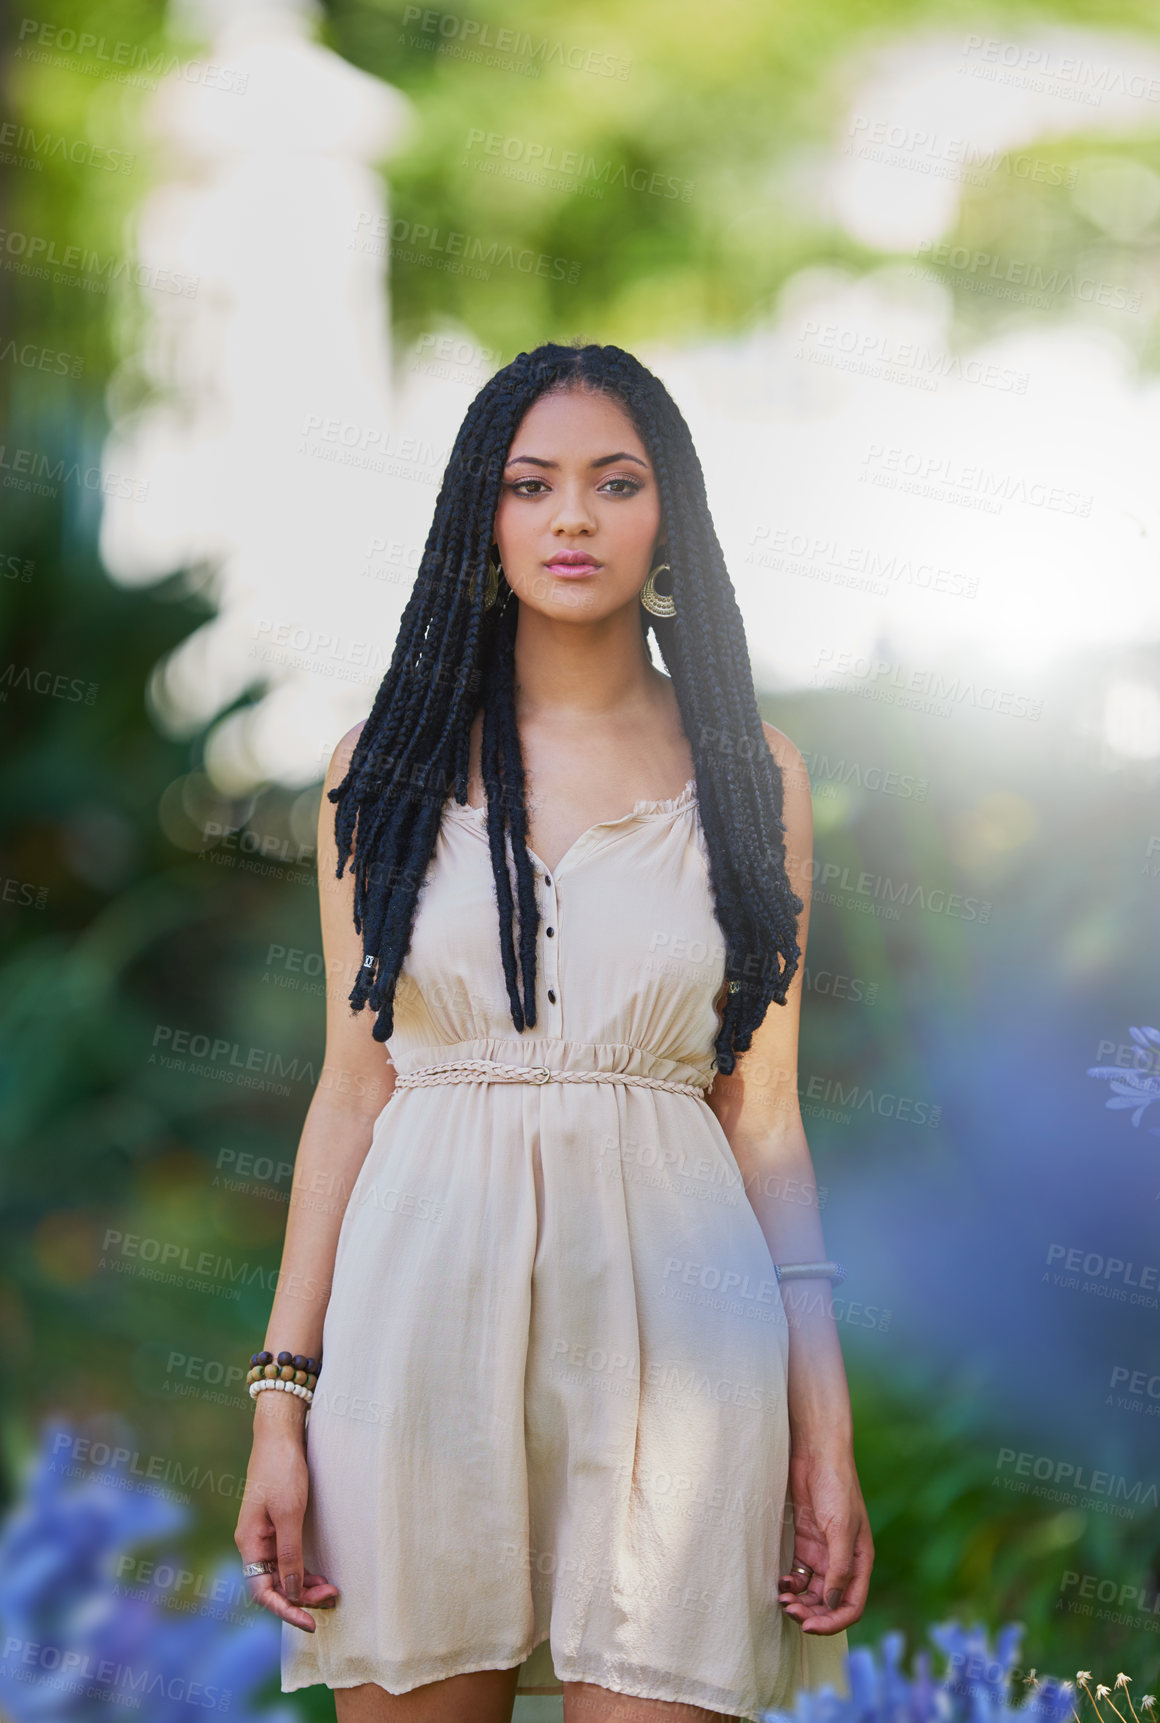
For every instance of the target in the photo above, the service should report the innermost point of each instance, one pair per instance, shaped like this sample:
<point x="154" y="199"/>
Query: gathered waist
<point x="544" y="1060"/>
<point x="493" y="1071"/>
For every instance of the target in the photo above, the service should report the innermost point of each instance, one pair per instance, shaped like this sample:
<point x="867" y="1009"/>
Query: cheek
<point x="514" y="526"/>
<point x="637" y="527"/>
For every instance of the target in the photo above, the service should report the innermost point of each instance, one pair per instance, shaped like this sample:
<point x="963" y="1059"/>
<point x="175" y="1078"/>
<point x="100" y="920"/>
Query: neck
<point x="587" y="670"/>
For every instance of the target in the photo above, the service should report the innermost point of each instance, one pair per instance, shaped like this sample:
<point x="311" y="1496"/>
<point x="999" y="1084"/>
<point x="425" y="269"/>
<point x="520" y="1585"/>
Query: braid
<point x="454" y="656"/>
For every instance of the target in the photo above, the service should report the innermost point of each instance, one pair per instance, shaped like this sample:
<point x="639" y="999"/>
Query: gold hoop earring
<point x="659" y="603"/>
<point x="491" y="589"/>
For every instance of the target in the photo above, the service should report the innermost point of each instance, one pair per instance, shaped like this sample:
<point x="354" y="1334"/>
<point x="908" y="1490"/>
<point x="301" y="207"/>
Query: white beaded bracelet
<point x="256" y="1388"/>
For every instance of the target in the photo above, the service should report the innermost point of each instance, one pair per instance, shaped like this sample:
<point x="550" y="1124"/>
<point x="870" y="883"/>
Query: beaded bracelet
<point x="288" y="1370"/>
<point x="256" y="1388"/>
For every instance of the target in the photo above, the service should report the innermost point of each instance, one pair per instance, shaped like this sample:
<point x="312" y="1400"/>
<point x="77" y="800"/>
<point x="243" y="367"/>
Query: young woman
<point x="569" y="1432"/>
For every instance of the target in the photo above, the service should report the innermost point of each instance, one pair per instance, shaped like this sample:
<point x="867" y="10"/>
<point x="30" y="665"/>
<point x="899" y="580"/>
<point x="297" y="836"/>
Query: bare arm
<point x="758" y="1110"/>
<point x="354" y="1084"/>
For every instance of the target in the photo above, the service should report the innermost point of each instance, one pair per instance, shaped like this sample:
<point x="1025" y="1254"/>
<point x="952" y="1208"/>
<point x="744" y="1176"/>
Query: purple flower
<point x="76" y="1640"/>
<point x="974" y="1688"/>
<point x="1139" y="1086"/>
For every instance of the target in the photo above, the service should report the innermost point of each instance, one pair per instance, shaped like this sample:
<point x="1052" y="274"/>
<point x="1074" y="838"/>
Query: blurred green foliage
<point x="662" y="153"/>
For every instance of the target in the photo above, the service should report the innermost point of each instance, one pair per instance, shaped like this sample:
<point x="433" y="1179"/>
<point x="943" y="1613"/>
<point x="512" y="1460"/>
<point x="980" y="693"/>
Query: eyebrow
<point x="604" y="460"/>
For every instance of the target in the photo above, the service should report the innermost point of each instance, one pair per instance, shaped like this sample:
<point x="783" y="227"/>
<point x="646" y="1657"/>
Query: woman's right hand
<point x="270" y="1523"/>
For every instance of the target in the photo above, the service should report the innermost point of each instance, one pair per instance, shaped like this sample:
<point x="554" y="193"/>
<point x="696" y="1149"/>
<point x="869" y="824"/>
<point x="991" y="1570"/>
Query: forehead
<point x="579" y="421"/>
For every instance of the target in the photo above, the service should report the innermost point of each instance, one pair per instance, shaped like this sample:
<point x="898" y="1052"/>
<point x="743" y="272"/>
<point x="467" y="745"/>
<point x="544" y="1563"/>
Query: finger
<point x="857" y="1587"/>
<point x="317" y="1592"/>
<point x="825" y="1620"/>
<point x="288" y="1530"/>
<point x="265" y="1592"/>
<point x="839" y="1568"/>
<point x="832" y="1620"/>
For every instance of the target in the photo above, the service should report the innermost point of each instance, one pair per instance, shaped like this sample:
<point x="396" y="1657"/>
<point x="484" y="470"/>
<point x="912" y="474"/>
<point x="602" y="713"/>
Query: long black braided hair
<point x="454" y="655"/>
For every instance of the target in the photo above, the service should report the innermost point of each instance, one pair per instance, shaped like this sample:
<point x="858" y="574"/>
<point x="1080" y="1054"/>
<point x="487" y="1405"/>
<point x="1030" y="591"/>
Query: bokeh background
<point x="898" y="262"/>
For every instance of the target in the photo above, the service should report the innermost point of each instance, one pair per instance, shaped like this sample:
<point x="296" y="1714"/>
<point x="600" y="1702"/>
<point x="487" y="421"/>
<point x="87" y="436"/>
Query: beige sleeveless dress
<point x="551" y="1424"/>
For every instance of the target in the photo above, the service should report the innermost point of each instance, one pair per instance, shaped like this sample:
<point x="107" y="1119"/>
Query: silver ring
<point x="802" y="1568"/>
<point x="252" y="1569"/>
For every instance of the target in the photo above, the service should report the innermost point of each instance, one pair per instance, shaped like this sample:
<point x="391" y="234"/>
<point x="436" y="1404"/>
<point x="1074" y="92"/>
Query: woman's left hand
<point x="831" y="1535"/>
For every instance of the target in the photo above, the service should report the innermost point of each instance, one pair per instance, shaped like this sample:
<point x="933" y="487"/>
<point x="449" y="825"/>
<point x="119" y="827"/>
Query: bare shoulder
<point x="340" y="759"/>
<point x="788" y="756"/>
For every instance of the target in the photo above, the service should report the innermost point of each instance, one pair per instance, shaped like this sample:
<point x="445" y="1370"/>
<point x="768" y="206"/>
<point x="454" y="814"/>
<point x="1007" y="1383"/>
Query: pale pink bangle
<point x="810" y="1271"/>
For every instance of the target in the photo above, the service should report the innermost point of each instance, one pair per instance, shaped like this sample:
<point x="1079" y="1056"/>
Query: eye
<point x="517" y="487"/>
<point x="631" y="486"/>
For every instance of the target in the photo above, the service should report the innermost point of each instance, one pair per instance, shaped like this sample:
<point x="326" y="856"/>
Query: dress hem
<point x="631" y="1692"/>
<point x="424" y="1681"/>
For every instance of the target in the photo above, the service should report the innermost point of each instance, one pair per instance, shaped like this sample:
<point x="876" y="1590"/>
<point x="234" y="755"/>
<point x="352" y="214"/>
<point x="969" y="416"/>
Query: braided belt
<point x="494" y="1071"/>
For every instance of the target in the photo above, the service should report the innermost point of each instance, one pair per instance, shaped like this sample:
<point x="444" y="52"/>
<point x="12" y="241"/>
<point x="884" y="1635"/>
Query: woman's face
<point x="579" y="514"/>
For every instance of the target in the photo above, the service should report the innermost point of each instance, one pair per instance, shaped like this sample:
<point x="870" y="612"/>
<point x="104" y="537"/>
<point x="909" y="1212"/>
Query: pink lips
<point x="572" y="563"/>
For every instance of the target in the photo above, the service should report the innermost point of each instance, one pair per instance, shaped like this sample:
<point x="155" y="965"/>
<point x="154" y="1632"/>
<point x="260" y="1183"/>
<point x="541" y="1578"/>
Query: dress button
<point x="551" y="932"/>
<point x="551" y="997"/>
<point x="547" y="879"/>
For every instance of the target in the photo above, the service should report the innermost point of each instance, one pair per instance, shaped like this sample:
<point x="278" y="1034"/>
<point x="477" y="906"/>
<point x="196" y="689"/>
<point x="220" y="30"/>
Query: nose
<point x="573" y="513"/>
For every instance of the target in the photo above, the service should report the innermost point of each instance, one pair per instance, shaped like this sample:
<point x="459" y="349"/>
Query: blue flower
<point x="74" y="1642"/>
<point x="974" y="1688"/>
<point x="1137" y="1087"/>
